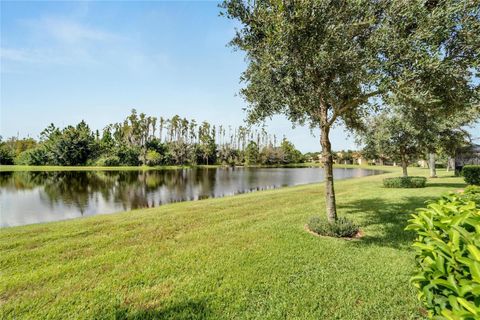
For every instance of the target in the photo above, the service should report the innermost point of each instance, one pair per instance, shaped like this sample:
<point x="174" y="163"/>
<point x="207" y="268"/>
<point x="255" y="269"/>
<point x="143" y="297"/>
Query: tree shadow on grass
<point x="384" y="222"/>
<point x="189" y="310"/>
<point x="446" y="185"/>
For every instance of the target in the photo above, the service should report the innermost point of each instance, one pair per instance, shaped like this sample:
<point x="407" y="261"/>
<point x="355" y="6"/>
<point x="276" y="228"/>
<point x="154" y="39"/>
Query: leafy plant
<point x="472" y="193"/>
<point x="342" y="228"/>
<point x="6" y="155"/>
<point x="128" y="156"/>
<point x="153" y="158"/>
<point x="471" y="174"/>
<point x="33" y="157"/>
<point x="108" y="161"/>
<point x="405" y="182"/>
<point x="448" y="256"/>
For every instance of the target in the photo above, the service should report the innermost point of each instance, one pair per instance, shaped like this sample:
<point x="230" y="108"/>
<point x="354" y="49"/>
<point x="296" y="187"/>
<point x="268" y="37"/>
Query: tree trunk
<point x="404" y="166"/>
<point x="328" y="169"/>
<point x="433" y="170"/>
<point x="450" y="164"/>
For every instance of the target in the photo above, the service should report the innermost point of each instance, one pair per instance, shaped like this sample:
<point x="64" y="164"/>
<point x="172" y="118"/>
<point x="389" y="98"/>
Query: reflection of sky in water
<point x="33" y="197"/>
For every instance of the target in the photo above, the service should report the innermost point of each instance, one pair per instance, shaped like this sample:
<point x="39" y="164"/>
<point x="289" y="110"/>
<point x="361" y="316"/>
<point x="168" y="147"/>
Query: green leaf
<point x="474" y="251"/>
<point x="468" y="305"/>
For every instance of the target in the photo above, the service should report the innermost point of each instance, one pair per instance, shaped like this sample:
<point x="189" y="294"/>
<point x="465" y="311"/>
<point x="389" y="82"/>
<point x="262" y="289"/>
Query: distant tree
<point x="436" y="60"/>
<point x="252" y="153"/>
<point x="17" y="145"/>
<point x="34" y="157"/>
<point x="107" y="142"/>
<point x="390" y="135"/>
<point x="128" y="155"/>
<point x="153" y="158"/>
<point x="71" y="146"/>
<point x="208" y="149"/>
<point x="451" y="141"/>
<point x="290" y="153"/>
<point x="6" y="154"/>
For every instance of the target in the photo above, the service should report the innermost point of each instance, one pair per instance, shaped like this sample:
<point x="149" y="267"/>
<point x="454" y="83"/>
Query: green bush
<point x="471" y="174"/>
<point x="108" y="161"/>
<point x="342" y="228"/>
<point x="405" y="182"/>
<point x="448" y="255"/>
<point x="33" y="157"/>
<point x="128" y="156"/>
<point x="153" y="158"/>
<point x="6" y="155"/>
<point x="472" y="193"/>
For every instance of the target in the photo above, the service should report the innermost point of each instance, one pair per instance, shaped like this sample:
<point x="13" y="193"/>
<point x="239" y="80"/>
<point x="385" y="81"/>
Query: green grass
<point x="240" y="257"/>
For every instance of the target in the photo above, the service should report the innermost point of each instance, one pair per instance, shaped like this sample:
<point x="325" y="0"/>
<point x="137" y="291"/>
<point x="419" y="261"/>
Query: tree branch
<point x="362" y="99"/>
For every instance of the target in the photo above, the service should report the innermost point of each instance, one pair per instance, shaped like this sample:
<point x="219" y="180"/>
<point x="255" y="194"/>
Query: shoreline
<point x="19" y="168"/>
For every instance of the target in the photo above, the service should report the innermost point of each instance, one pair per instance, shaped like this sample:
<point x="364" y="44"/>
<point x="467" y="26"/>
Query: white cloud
<point x="14" y="55"/>
<point x="58" y="40"/>
<point x="71" y="32"/>
<point x="71" y="41"/>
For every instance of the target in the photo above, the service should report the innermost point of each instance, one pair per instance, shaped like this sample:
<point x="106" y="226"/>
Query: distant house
<point x="468" y="155"/>
<point x="343" y="157"/>
<point x="422" y="163"/>
<point x="358" y="158"/>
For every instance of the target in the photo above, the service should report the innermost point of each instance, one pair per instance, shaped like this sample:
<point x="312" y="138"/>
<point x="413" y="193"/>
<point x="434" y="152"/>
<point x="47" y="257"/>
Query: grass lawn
<point x="240" y="257"/>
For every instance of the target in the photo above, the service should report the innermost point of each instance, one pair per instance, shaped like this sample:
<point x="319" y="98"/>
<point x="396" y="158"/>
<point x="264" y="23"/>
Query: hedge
<point x="471" y="174"/>
<point x="405" y="182"/>
<point x="448" y="255"/>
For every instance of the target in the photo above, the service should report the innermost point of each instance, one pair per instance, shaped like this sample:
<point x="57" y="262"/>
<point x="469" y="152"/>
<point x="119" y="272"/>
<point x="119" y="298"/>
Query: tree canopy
<point x="324" y="62"/>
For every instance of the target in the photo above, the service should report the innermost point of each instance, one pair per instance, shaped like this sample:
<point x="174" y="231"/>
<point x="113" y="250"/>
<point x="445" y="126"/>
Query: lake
<point x="35" y="197"/>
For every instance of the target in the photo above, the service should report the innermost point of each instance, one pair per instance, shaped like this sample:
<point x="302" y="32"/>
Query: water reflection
<point x="33" y="197"/>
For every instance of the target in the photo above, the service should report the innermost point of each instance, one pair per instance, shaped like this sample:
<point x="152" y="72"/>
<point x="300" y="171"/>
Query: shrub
<point x="471" y="174"/>
<point x="405" y="182"/>
<point x="342" y="228"/>
<point x="153" y="158"/>
<point x="448" y="256"/>
<point x="33" y="157"/>
<point x="108" y="161"/>
<point x="6" y="155"/>
<point x="472" y="193"/>
<point x="128" y="156"/>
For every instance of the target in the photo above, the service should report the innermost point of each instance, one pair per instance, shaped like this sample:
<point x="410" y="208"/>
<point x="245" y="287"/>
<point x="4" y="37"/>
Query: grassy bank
<point x="241" y="257"/>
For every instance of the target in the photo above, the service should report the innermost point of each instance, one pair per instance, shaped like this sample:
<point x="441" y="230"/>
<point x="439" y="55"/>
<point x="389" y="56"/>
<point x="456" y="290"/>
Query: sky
<point x="63" y="62"/>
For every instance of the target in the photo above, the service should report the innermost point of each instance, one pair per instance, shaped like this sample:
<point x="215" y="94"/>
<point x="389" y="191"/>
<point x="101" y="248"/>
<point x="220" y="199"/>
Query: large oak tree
<point x="327" y="62"/>
<point x="314" y="61"/>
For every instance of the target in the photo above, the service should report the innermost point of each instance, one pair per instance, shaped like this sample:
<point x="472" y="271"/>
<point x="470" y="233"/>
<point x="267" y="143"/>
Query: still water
<point x="34" y="197"/>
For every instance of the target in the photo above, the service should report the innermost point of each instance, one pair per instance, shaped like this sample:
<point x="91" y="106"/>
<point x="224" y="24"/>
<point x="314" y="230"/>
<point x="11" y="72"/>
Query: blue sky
<point x="62" y="62"/>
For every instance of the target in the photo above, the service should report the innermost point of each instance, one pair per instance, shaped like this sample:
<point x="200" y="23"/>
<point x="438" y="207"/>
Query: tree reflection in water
<point x="31" y="197"/>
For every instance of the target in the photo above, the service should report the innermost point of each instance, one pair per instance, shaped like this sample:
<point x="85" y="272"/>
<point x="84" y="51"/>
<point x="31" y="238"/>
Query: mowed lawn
<point x="240" y="257"/>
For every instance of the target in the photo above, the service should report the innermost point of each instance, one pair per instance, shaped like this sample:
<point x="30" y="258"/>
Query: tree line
<point x="404" y="138"/>
<point x="152" y="141"/>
